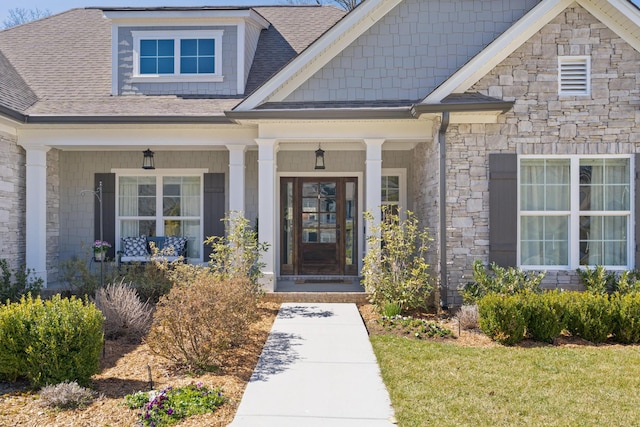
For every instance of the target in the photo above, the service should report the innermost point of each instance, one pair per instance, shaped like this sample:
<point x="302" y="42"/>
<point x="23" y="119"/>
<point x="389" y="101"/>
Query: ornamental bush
<point x="50" y="342"/>
<point x="544" y="315"/>
<point x="500" y="280"/>
<point x="394" y="269"/>
<point x="589" y="316"/>
<point x="197" y="321"/>
<point x="502" y="317"/>
<point x="21" y="284"/>
<point x="626" y="317"/>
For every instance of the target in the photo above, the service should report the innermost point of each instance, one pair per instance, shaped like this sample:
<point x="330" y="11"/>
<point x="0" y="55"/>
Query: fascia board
<point x="625" y="8"/>
<point x="319" y="53"/>
<point x="499" y="49"/>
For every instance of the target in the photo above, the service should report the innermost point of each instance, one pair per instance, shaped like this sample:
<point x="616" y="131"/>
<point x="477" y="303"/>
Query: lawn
<point x="443" y="384"/>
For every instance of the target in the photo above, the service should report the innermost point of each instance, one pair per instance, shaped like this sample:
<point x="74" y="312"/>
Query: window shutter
<point x="108" y="211"/>
<point x="213" y="208"/>
<point x="637" y="210"/>
<point x="503" y="209"/>
<point x="573" y="75"/>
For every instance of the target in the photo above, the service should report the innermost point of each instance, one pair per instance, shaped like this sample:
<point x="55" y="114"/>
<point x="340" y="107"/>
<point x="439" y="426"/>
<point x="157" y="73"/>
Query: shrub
<point x="170" y="405"/>
<point x="77" y="278"/>
<point x="22" y="284"/>
<point x="196" y="322"/>
<point x="626" y="318"/>
<point x="124" y="313"/>
<point x="627" y="282"/>
<point x="467" y="317"/>
<point x="504" y="281"/>
<point x="237" y="254"/>
<point x="598" y="280"/>
<point x="394" y="267"/>
<point x="502" y="318"/>
<point x="589" y="315"/>
<point x="150" y="280"/>
<point x="544" y="315"/>
<point x="50" y="341"/>
<point x="66" y="395"/>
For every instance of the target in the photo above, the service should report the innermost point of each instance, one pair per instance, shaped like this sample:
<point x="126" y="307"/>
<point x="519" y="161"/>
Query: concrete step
<point x="318" y="297"/>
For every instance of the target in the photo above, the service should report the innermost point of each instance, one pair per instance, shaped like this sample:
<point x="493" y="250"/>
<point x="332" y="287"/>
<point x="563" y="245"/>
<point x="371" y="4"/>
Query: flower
<point x="100" y="246"/>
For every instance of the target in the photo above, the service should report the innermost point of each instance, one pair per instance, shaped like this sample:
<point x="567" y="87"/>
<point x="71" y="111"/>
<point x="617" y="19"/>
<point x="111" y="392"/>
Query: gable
<point x="411" y="50"/>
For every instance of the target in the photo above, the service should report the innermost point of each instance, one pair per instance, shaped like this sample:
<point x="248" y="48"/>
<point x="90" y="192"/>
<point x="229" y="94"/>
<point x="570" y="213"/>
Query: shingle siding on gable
<point x="412" y="50"/>
<point x="541" y="122"/>
<point x="229" y="66"/>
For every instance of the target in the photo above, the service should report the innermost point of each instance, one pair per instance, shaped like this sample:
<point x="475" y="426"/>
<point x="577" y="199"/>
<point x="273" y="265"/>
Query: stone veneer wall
<point x="541" y="122"/>
<point x="12" y="202"/>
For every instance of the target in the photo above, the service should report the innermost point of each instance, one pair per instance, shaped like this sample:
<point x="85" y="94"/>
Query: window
<point x="575" y="211"/>
<point x="573" y="75"/>
<point x="177" y="55"/>
<point x="161" y="206"/>
<point x="393" y="190"/>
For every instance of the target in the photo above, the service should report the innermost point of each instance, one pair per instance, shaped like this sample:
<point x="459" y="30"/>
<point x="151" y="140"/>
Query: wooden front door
<point x="318" y="226"/>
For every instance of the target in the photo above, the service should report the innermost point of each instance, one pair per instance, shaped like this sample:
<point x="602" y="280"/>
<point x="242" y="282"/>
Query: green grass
<point x="443" y="384"/>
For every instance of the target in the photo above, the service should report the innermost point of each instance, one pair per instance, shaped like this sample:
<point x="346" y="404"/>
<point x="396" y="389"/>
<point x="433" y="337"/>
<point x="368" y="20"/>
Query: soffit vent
<point x="573" y="75"/>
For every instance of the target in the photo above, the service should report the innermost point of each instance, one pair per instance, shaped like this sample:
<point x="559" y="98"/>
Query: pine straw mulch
<point x="124" y="371"/>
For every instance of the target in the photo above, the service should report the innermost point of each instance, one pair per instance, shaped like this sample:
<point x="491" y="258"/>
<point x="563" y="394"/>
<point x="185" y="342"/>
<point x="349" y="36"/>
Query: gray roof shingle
<point x="65" y="61"/>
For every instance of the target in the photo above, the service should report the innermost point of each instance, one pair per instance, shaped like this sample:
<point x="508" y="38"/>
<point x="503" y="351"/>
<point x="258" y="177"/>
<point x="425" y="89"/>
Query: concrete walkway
<point x="316" y="369"/>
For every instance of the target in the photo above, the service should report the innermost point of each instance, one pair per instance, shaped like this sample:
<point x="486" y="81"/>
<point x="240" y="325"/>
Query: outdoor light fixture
<point x="147" y="161"/>
<point x="319" y="158"/>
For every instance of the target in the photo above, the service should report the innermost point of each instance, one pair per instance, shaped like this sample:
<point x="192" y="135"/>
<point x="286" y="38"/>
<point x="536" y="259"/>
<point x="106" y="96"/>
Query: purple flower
<point x="169" y="411"/>
<point x="199" y="384"/>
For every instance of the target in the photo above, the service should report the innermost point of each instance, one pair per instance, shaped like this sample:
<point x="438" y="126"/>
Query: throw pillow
<point x="135" y="246"/>
<point x="175" y="242"/>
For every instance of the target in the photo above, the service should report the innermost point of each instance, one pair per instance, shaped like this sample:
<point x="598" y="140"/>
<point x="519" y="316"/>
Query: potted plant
<point x="100" y="248"/>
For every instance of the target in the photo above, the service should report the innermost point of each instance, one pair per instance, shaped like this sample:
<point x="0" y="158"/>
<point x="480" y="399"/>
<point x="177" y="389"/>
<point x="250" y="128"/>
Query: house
<point x="510" y="128"/>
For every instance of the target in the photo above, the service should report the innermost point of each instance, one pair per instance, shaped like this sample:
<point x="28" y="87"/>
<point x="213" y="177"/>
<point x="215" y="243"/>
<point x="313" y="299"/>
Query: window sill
<point x="177" y="79"/>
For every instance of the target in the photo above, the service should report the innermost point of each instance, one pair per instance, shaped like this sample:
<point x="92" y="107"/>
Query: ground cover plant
<point x="444" y="384"/>
<point x="169" y="405"/>
<point x="413" y="326"/>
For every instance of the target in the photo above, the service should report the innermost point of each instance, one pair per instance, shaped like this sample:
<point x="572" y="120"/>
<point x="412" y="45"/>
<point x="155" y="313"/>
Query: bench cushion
<point x="135" y="246"/>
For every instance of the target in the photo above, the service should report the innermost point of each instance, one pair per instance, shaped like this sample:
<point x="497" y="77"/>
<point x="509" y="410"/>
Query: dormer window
<point x="573" y="75"/>
<point x="162" y="56"/>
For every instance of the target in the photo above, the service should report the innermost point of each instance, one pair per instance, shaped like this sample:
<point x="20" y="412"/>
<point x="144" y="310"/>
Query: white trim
<point x="185" y="17"/>
<point x="574" y="213"/>
<point x="358" y="175"/>
<point x="240" y="52"/>
<point x="158" y="174"/>
<point x="498" y="50"/>
<point x="580" y="63"/>
<point x="319" y="53"/>
<point x="177" y="36"/>
<point x="625" y="8"/>
<point x="401" y="173"/>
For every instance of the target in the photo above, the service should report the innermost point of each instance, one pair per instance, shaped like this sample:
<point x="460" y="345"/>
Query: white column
<point x="36" y="204"/>
<point x="267" y="205"/>
<point x="236" y="178"/>
<point x="373" y="179"/>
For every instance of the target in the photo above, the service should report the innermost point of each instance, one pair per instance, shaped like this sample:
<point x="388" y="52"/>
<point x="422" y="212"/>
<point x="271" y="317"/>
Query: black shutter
<point x="503" y="209"/>
<point x="637" y="210"/>
<point x="108" y="211"/>
<point x="213" y="208"/>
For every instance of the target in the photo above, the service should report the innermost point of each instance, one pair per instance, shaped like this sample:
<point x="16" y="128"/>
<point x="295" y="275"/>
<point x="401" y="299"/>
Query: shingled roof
<point x="61" y="65"/>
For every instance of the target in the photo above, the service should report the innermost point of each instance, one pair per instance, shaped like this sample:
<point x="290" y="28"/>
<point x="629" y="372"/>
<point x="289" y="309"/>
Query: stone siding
<point x="413" y="49"/>
<point x="541" y="122"/>
<point x="12" y="202"/>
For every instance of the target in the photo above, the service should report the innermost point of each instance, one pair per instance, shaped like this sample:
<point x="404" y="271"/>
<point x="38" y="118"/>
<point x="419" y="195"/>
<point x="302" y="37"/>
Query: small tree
<point x="395" y="270"/>
<point x="237" y="254"/>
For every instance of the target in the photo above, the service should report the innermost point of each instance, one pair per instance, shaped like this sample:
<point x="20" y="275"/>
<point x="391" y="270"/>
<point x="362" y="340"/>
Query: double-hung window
<point x="177" y="55"/>
<point x="393" y="190"/>
<point x="575" y="211"/>
<point x="155" y="205"/>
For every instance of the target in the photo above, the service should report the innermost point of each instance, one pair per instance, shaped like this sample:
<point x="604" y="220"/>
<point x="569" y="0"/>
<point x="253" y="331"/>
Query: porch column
<point x="373" y="180"/>
<point x="267" y="205"/>
<point x="236" y="178"/>
<point x="36" y="204"/>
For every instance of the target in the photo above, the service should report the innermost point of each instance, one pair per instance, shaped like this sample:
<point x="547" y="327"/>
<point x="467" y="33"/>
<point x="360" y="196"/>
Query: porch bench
<point x="141" y="249"/>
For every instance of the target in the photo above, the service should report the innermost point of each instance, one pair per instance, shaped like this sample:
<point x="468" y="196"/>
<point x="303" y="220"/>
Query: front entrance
<point x="318" y="223"/>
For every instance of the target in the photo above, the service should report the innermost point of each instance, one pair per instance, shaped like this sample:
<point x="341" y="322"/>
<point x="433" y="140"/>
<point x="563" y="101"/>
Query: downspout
<point x="443" y="210"/>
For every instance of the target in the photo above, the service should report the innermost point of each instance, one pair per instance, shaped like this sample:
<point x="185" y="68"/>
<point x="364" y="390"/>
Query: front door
<point x="318" y="226"/>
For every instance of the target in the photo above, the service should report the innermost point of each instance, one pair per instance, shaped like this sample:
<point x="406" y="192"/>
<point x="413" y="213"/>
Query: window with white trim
<point x="177" y="55"/>
<point x="394" y="190"/>
<point x="575" y="211"/>
<point x="156" y="205"/>
<point x="574" y="75"/>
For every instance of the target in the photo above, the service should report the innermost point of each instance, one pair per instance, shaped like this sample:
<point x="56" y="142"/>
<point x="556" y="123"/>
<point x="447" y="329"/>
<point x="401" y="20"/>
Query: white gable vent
<point x="573" y="75"/>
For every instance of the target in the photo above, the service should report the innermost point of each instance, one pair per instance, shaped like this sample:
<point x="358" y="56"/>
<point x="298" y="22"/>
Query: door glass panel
<point x="310" y="189"/>
<point x="328" y="236"/>
<point x="310" y="235"/>
<point x="309" y="220"/>
<point x="350" y="223"/>
<point x="327" y="219"/>
<point x="288" y="224"/>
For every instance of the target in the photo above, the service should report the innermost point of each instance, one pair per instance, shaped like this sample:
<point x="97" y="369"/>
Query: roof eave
<point x="322" y="114"/>
<point x="128" y="120"/>
<point x="454" y="107"/>
<point x="12" y="114"/>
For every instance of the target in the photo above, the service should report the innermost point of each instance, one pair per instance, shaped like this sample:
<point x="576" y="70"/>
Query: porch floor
<point x="325" y="289"/>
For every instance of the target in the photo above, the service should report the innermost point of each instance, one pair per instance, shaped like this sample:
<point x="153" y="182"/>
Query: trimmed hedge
<point x="508" y="319"/>
<point x="50" y="342"/>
